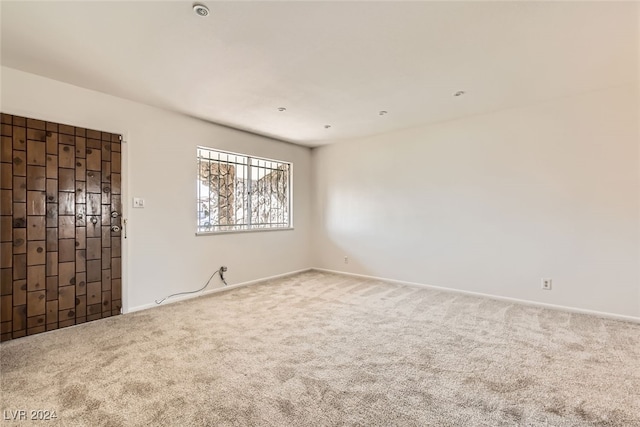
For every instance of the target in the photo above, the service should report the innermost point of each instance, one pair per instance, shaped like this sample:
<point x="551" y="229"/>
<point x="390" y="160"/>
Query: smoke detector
<point x="201" y="10"/>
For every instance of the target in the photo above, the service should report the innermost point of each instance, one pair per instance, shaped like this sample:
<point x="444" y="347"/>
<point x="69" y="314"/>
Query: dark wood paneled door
<point x="60" y="226"/>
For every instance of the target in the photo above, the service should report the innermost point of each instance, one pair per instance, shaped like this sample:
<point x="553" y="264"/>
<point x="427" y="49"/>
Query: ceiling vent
<point x="201" y="10"/>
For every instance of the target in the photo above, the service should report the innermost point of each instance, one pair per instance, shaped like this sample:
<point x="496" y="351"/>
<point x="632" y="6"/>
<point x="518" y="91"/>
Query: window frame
<point x="250" y="228"/>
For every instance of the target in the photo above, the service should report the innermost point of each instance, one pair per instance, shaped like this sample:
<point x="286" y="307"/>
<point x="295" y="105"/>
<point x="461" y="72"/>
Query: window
<point x="241" y="193"/>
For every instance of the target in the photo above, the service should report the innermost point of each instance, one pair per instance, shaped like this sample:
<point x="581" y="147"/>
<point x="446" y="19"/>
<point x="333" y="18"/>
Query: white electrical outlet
<point x="546" y="284"/>
<point x="138" y="202"/>
<point x="346" y="260"/>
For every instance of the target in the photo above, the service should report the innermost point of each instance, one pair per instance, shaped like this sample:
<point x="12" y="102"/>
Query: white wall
<point x="494" y="203"/>
<point x="488" y="204"/>
<point x="163" y="254"/>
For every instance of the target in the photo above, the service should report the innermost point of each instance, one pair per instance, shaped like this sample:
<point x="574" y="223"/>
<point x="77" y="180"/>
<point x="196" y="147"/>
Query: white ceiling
<point x="336" y="63"/>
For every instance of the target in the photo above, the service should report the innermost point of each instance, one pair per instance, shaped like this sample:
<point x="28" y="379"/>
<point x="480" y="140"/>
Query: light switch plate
<point x="138" y="202"/>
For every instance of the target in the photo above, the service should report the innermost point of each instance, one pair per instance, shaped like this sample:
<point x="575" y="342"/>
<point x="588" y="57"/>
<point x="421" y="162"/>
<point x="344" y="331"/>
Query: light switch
<point x="138" y="202"/>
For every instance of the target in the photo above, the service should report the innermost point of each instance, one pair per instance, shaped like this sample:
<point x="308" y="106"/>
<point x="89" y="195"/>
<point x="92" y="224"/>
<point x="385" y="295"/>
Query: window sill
<point x="254" y="230"/>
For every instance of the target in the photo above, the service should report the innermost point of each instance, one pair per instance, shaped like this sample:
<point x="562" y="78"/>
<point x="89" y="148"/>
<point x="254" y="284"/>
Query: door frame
<point x="124" y="176"/>
<point x="70" y="120"/>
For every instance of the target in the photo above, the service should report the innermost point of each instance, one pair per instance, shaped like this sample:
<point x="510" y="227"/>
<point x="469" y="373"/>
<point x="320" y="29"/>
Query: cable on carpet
<point x="219" y="271"/>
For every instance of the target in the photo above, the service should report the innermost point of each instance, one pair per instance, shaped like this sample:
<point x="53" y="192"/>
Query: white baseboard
<point x="214" y="290"/>
<point x="495" y="297"/>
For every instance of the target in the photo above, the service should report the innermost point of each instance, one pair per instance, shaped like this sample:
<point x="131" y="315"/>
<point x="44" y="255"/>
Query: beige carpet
<point x="318" y="349"/>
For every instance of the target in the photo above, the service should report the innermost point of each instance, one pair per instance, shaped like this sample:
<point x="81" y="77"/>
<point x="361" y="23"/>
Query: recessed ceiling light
<point x="201" y="10"/>
<point x="327" y="126"/>
<point x="281" y="109"/>
<point x="382" y="112"/>
<point x="459" y="93"/>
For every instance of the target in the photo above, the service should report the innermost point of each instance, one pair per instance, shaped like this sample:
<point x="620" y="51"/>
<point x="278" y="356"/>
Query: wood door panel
<point x="36" y="303"/>
<point x="106" y="259"/>
<point x="36" y="203"/>
<point x="106" y="217"/>
<point x="52" y="239"/>
<point x="93" y="248"/>
<point x="35" y="124"/>
<point x="66" y="179"/>
<point x="7" y="248"/>
<point x="66" y="297"/>
<point x="94" y="204"/>
<point x="19" y="188"/>
<point x="19" y="136"/>
<point x="6" y="150"/>
<point x="93" y="293"/>
<point x="67" y="274"/>
<point x="106" y="303"/>
<point x="19" y="241"/>
<point x="36" y="278"/>
<point x="66" y="129"/>
<point x="52" y="166"/>
<point x="94" y="182"/>
<point x="36" y="254"/>
<point x="81" y="283"/>
<point x="67" y="250"/>
<point x="81" y="147"/>
<point x="81" y="237"/>
<point x="81" y="189"/>
<point x="19" y="292"/>
<point x="66" y="203"/>
<point x="52" y="190"/>
<point x="19" y="163"/>
<point x="93" y="228"/>
<point x="66" y="139"/>
<point x="36" y="178"/>
<point x="19" y="215"/>
<point x="52" y="264"/>
<point x="36" y="153"/>
<point x="36" y="229"/>
<point x="7" y="205"/>
<point x="52" y="215"/>
<point x="6" y="181"/>
<point x="94" y="157"/>
<point x="6" y="229"/>
<point x="60" y="262"/>
<point x="81" y="308"/>
<point x="52" y="143"/>
<point x="81" y="260"/>
<point x="81" y="170"/>
<point x="67" y="227"/>
<point x="106" y="171"/>
<point x="19" y="266"/>
<point x="52" y="288"/>
<point x="6" y="303"/>
<point x="106" y="279"/>
<point x="35" y="321"/>
<point x="106" y="235"/>
<point x="115" y="183"/>
<point x="19" y="319"/>
<point x="52" y="312"/>
<point x="66" y="156"/>
<point x="94" y="271"/>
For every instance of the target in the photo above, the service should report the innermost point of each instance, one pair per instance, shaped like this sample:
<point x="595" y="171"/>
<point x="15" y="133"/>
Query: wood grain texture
<point x="59" y="260"/>
<point x="19" y="188"/>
